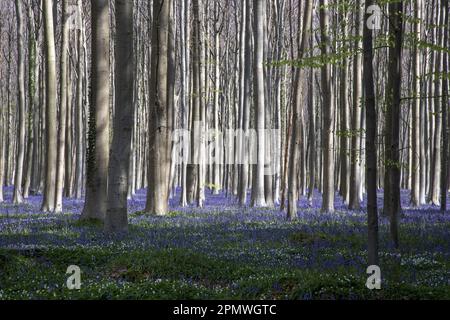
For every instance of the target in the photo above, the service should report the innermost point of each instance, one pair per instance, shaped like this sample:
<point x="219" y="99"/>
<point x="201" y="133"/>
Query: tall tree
<point x="327" y="111"/>
<point x="193" y="169"/>
<point x="62" y="106"/>
<point x="116" y="213"/>
<point x="371" y="138"/>
<point x="355" y="176"/>
<point x="245" y="65"/>
<point x="415" y="192"/>
<point x="298" y="114"/>
<point x="344" y="113"/>
<point x="18" y="196"/>
<point x="393" y="116"/>
<point x="50" y="113"/>
<point x="79" y="108"/>
<point x="98" y="142"/>
<point x="438" y="116"/>
<point x="160" y="122"/>
<point x="258" y="196"/>
<point x="444" y="105"/>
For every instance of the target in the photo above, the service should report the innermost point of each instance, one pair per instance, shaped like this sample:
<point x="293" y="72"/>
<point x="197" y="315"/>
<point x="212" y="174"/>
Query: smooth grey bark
<point x="116" y="212"/>
<point x="33" y="101"/>
<point x="3" y="134"/>
<point x="60" y="166"/>
<point x="416" y="130"/>
<point x="160" y="113"/>
<point x="48" y="204"/>
<point x="298" y="115"/>
<point x="311" y="136"/>
<point x="355" y="175"/>
<point x="444" y="105"/>
<point x="245" y="95"/>
<point x="8" y="120"/>
<point x="328" y="113"/>
<point x="203" y="101"/>
<point x="258" y="196"/>
<point x="268" y="113"/>
<point x="438" y="119"/>
<point x="79" y="109"/>
<point x="98" y="141"/>
<point x="344" y="119"/>
<point x="18" y="176"/>
<point x="216" y="186"/>
<point x="193" y="167"/>
<point x="185" y="86"/>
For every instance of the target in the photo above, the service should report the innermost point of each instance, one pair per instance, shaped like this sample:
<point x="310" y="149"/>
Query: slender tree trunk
<point x="444" y="105"/>
<point x="355" y="176"/>
<point x="416" y="130"/>
<point x="62" y="107"/>
<point x="298" y="115"/>
<point x="160" y="113"/>
<point x="437" y="152"/>
<point x="258" y="198"/>
<point x="371" y="138"/>
<point x="344" y="122"/>
<point x="185" y="89"/>
<point x="328" y="114"/>
<point x="246" y="37"/>
<point x="312" y="136"/>
<point x="79" y="110"/>
<point x="33" y="100"/>
<point x="18" y="194"/>
<point x="48" y="204"/>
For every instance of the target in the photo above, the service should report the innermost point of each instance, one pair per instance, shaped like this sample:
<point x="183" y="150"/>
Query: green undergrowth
<point x="114" y="273"/>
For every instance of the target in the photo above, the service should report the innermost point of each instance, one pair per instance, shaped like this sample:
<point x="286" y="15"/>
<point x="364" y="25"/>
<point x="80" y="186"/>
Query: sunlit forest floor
<point x="220" y="252"/>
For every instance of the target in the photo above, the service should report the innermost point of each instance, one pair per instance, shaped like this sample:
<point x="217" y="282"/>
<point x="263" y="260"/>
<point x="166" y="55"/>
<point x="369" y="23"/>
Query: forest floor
<point x="220" y="252"/>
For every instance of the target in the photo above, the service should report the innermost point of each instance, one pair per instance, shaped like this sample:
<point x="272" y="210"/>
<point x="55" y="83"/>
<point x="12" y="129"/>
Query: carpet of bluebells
<point x="221" y="251"/>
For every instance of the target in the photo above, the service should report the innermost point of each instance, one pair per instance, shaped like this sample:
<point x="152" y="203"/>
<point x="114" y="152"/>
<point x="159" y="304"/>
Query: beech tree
<point x="116" y="218"/>
<point x="97" y="158"/>
<point x="50" y="114"/>
<point x="258" y="195"/>
<point x="160" y="124"/>
<point x="328" y="112"/>
<point x="18" y="196"/>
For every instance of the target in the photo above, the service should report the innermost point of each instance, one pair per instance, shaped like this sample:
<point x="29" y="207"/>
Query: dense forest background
<point x="355" y="94"/>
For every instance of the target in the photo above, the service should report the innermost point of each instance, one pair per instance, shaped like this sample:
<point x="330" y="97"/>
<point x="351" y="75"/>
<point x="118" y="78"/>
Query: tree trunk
<point x="116" y="213"/>
<point x="62" y="108"/>
<point x="98" y="144"/>
<point x="258" y="197"/>
<point x="371" y="149"/>
<point x="355" y="176"/>
<point x="160" y="113"/>
<point x="48" y="204"/>
<point x="328" y="114"/>
<point x="344" y="122"/>
<point x="79" y="110"/>
<point x="444" y="105"/>
<point x="298" y="115"/>
<point x="416" y="130"/>
<point x="245" y="60"/>
<point x="393" y="94"/>
<point x="18" y="195"/>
